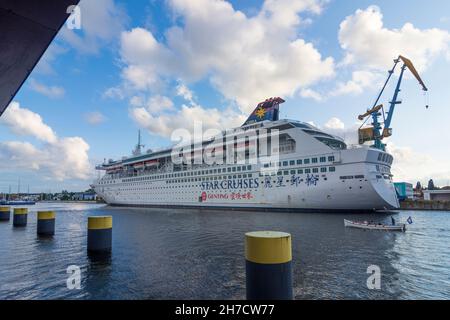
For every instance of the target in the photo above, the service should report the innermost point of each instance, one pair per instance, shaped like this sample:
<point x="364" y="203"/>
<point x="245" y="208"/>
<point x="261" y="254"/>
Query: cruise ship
<point x="266" y="164"/>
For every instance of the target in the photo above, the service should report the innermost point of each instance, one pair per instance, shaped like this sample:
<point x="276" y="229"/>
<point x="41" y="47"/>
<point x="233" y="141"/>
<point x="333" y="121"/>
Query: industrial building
<point x="404" y="190"/>
<point x="437" y="195"/>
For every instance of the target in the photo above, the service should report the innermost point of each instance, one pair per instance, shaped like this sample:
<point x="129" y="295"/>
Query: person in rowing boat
<point x="393" y="221"/>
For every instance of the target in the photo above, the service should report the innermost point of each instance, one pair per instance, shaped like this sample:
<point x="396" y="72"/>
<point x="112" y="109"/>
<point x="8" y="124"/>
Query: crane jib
<point x="413" y="70"/>
<point x="376" y="132"/>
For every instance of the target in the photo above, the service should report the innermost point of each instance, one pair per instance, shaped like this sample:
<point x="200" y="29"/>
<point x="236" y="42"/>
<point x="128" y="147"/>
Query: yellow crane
<point x="376" y="132"/>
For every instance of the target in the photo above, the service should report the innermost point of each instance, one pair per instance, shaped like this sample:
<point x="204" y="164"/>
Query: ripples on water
<point x="191" y="254"/>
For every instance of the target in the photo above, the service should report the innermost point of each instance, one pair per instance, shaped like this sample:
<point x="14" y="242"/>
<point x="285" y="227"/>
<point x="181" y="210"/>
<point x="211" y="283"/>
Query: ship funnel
<point x="266" y="110"/>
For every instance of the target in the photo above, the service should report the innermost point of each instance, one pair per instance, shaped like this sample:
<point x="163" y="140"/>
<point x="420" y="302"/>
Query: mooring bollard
<point x="268" y="265"/>
<point x="20" y="217"/>
<point x="5" y="213"/>
<point x="99" y="233"/>
<point x="46" y="223"/>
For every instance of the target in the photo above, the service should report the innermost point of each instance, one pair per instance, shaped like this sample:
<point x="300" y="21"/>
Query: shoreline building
<point x="436" y="195"/>
<point x="404" y="190"/>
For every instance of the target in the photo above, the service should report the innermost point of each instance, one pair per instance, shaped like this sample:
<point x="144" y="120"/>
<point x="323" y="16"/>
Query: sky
<point x="162" y="65"/>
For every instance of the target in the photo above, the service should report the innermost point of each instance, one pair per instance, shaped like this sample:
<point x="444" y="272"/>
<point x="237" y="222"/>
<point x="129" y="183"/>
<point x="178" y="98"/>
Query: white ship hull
<point x="359" y="181"/>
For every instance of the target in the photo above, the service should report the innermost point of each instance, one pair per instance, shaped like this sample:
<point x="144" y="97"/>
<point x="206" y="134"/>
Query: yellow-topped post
<point x="5" y="213"/>
<point x="20" y="217"/>
<point x="99" y="233"/>
<point x="268" y="267"/>
<point x="46" y="223"/>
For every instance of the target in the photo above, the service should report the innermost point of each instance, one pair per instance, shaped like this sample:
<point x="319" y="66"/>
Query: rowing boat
<point x="374" y="226"/>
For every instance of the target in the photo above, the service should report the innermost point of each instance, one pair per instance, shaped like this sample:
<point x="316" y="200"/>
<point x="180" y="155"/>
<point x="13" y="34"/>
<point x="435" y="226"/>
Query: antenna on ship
<point x="137" y="150"/>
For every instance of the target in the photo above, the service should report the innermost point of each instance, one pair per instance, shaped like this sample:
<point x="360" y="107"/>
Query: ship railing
<point x="162" y="170"/>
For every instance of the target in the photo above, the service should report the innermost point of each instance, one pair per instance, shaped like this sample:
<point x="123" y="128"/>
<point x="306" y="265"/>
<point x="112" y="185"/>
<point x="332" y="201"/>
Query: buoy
<point x="5" y="213"/>
<point x="46" y="223"/>
<point x="20" y="217"/>
<point x="99" y="233"/>
<point x="268" y="267"/>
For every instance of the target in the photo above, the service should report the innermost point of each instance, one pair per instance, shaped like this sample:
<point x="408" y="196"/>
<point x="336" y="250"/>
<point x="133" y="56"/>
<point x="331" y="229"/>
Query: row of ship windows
<point x="303" y="171"/>
<point x="382" y="169"/>
<point x="235" y="169"/>
<point x="182" y="191"/>
<point x="302" y="161"/>
<point x="279" y="173"/>
<point x="384" y="157"/>
<point x="231" y="169"/>
<point x="163" y="190"/>
<point x="193" y="173"/>
<point x="239" y="176"/>
<point x="162" y="200"/>
<point x="351" y="177"/>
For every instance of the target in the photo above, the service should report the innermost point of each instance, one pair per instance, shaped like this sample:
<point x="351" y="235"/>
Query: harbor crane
<point x="377" y="131"/>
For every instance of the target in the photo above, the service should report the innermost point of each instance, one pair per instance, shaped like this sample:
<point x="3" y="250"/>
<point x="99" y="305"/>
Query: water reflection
<point x="99" y="259"/>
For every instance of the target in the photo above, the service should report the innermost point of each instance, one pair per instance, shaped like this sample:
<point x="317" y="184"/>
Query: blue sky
<point x="158" y="65"/>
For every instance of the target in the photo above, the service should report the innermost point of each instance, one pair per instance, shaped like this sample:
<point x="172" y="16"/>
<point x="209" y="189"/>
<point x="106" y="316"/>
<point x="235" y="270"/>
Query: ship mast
<point x="138" y="149"/>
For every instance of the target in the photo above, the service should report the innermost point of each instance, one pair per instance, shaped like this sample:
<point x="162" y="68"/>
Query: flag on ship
<point x="266" y="110"/>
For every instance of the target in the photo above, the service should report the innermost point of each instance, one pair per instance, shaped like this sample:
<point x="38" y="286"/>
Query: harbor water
<point x="199" y="254"/>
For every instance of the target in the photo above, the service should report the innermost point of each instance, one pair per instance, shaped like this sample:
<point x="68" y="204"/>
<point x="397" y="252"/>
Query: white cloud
<point x="284" y="13"/>
<point x="49" y="91"/>
<point x="184" y="92"/>
<point x="114" y="93"/>
<point x="368" y="42"/>
<point x="25" y="122"/>
<point x="141" y="78"/>
<point x="59" y="161"/>
<point x="338" y="128"/>
<point x="185" y="118"/>
<point x="94" y="117"/>
<point x="159" y="117"/>
<point x="335" y="123"/>
<point x="312" y="94"/>
<point x="57" y="158"/>
<point x="412" y="166"/>
<point x="361" y="80"/>
<point x="154" y="104"/>
<point x="21" y="155"/>
<point x="369" y="49"/>
<point x="246" y="58"/>
<point x="101" y="22"/>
